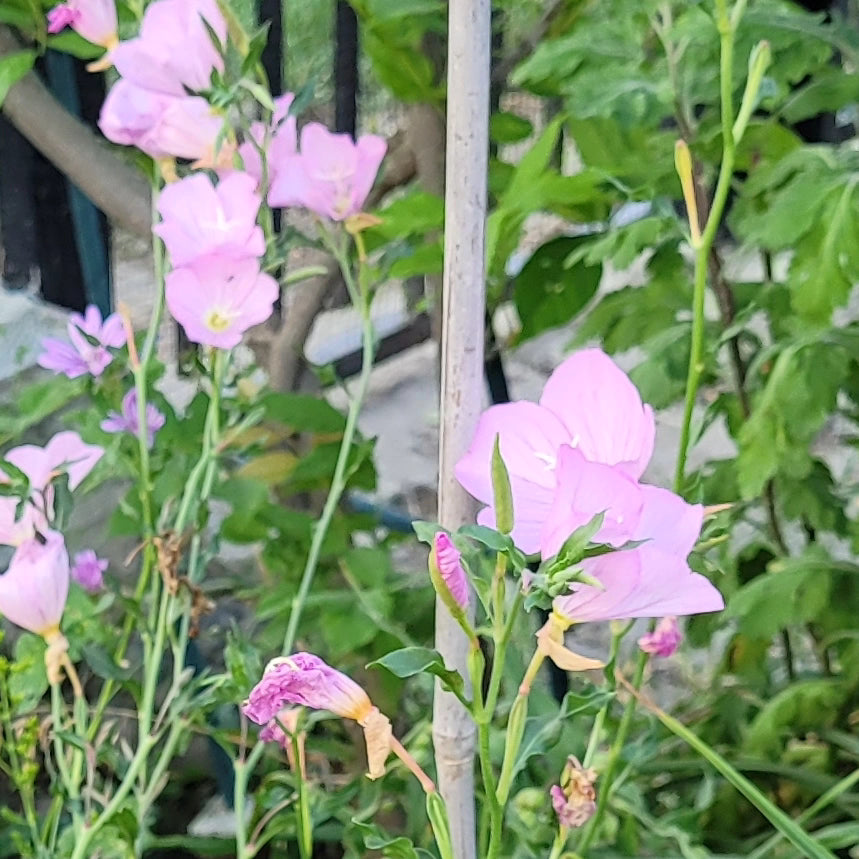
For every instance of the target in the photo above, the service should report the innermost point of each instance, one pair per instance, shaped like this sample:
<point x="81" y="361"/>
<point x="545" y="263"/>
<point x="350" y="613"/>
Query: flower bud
<point x="448" y="574"/>
<point x="664" y="640"/>
<point x="501" y="491"/>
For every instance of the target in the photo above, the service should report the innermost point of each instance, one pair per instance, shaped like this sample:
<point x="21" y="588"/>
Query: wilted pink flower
<point x="307" y="681"/>
<point x="272" y="732"/>
<point x="333" y="174"/>
<point x="590" y="407"/>
<point x="574" y="799"/>
<point x="200" y="219"/>
<point x="447" y="572"/>
<point x="217" y="299"/>
<point x="88" y="570"/>
<point x="33" y="591"/>
<point x="174" y="52"/>
<point x="67" y="452"/>
<point x="664" y="640"/>
<point x="282" y="143"/>
<point x="163" y="125"/>
<point x="80" y="356"/>
<point x="95" y="20"/>
<point x="129" y="420"/>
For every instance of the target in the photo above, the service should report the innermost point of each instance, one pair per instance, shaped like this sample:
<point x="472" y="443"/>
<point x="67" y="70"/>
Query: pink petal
<point x="668" y="522"/>
<point x="602" y="411"/>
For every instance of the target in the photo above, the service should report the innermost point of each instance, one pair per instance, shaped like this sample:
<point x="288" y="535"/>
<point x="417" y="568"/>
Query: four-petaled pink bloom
<point x="305" y="680"/>
<point x="199" y="218"/>
<point x="174" y="52"/>
<point x="216" y="299"/>
<point x="95" y="20"/>
<point x="88" y="570"/>
<point x="129" y="419"/>
<point x="80" y="356"/>
<point x="447" y="572"/>
<point x="331" y="176"/>
<point x="34" y="589"/>
<point x="66" y="452"/>
<point x="577" y="453"/>
<point x="664" y="640"/>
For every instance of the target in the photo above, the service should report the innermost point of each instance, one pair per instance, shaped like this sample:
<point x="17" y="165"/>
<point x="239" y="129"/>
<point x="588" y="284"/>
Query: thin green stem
<point x="243" y="768"/>
<point x="361" y="301"/>
<point x="559" y="843"/>
<point x="497" y="672"/>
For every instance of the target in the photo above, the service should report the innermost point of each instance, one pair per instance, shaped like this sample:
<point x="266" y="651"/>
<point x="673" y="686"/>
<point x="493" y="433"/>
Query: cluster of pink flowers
<point x="34" y="589"/>
<point x="580" y="453"/>
<point x="216" y="289"/>
<point x="156" y="105"/>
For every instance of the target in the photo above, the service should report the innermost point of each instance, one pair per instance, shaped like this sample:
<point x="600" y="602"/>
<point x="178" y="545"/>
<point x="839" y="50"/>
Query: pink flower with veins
<point x="95" y="20"/>
<point x="174" y="52"/>
<point x="576" y="453"/>
<point x="216" y="299"/>
<point x="67" y="452"/>
<point x="332" y="176"/>
<point x="34" y="589"/>
<point x="199" y="218"/>
<point x="664" y="640"/>
<point x="163" y="125"/>
<point x="80" y="356"/>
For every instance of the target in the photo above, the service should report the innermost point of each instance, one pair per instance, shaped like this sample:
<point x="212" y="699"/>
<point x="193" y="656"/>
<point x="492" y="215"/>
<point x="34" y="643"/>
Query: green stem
<point x="559" y="843"/>
<point x="500" y="655"/>
<point x="338" y="482"/>
<point x="243" y="768"/>
<point x="607" y="777"/>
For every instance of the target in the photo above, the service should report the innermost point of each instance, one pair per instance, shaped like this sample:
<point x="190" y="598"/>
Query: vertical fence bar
<point x="462" y="385"/>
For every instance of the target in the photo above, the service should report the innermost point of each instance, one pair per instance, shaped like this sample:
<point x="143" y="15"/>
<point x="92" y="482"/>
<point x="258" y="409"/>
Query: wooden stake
<point x="462" y="385"/>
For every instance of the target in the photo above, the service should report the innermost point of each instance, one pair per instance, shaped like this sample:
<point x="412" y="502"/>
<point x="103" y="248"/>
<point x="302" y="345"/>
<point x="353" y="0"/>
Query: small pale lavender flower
<point x="81" y="356"/>
<point x="664" y="640"/>
<point x="88" y="570"/>
<point x="129" y="420"/>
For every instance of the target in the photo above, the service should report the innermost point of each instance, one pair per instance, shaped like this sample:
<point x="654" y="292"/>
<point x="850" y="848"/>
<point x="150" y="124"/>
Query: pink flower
<point x="282" y="144"/>
<point x="174" y="52"/>
<point x="577" y="453"/>
<point x="129" y="420"/>
<point x="199" y="219"/>
<point x="574" y="800"/>
<point x="664" y="640"/>
<point x="88" y="570"/>
<point x="332" y="176"/>
<point x="81" y="356"/>
<point x="305" y="680"/>
<point x="95" y="20"/>
<point x="163" y="125"/>
<point x="643" y="582"/>
<point x="217" y="299"/>
<point x="67" y="452"/>
<point x="446" y="571"/>
<point x="34" y="589"/>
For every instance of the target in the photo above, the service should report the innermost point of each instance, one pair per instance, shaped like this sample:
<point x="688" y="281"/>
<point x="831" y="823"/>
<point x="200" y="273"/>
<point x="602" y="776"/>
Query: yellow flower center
<point x="217" y="321"/>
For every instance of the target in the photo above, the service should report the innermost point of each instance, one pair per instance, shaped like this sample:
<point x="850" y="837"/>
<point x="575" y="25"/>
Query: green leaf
<point x="103" y="664"/>
<point x="395" y="847"/>
<point x="28" y="680"/>
<point x="794" y="833"/>
<point x="509" y="128"/>
<point x="410" y="661"/>
<point x="242" y="660"/>
<point x="488" y="537"/>
<point x="12" y="68"/>
<point x="789" y="593"/>
<point x="554" y="285"/>
<point x="303" y="413"/>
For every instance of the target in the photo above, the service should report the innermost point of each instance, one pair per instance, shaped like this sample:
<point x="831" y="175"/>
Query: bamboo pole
<point x="462" y="337"/>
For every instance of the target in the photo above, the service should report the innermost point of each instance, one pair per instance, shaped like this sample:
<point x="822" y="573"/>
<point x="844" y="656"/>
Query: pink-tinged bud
<point x="664" y="640"/>
<point x="574" y="799"/>
<point x="95" y="20"/>
<point x="88" y="570"/>
<point x="34" y="589"/>
<point x="447" y="573"/>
